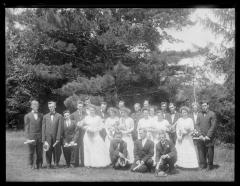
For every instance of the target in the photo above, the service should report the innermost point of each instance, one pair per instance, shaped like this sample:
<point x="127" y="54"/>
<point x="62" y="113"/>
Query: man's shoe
<point x="209" y="168"/>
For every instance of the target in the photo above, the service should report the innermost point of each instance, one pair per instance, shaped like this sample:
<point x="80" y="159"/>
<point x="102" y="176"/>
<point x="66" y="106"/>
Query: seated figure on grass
<point x="143" y="153"/>
<point x="166" y="155"/>
<point x="118" y="152"/>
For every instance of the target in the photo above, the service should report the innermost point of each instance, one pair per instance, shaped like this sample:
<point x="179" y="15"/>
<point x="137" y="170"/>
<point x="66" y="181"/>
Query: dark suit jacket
<point x="114" y="151"/>
<point x="71" y="132"/>
<point x="143" y="152"/>
<point x="207" y="125"/>
<point x="168" y="148"/>
<point x="52" y="129"/>
<point x="33" y="128"/>
<point x="169" y="118"/>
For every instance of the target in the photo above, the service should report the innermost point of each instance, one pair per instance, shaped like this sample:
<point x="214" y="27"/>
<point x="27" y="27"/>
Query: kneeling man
<point x="143" y="153"/>
<point x="118" y="152"/>
<point x="166" y="155"/>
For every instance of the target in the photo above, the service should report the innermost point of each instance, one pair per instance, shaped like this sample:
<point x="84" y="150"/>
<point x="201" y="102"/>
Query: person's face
<point x="121" y="104"/>
<point x="195" y="107"/>
<point x="151" y="112"/>
<point x="205" y="107"/>
<point x="184" y="113"/>
<point x="142" y="134"/>
<point x="35" y="106"/>
<point x="67" y="116"/>
<point x="137" y="107"/>
<point x="172" y="108"/>
<point x="145" y="113"/>
<point x="103" y="107"/>
<point x="146" y="104"/>
<point x="162" y="135"/>
<point x="92" y="111"/>
<point x="160" y="116"/>
<point x="164" y="107"/>
<point x="124" y="114"/>
<point x="51" y="107"/>
<point x="80" y="106"/>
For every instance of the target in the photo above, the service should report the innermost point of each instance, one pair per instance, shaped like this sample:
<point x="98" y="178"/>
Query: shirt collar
<point x="34" y="112"/>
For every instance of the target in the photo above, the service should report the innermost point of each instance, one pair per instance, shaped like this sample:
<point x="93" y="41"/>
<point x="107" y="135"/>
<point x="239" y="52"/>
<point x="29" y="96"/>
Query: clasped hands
<point x="139" y="162"/>
<point x="204" y="138"/>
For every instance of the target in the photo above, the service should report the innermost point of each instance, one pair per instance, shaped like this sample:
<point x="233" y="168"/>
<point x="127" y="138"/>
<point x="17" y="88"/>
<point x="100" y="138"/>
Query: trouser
<point x="55" y="152"/>
<point x="75" y="155"/>
<point x="147" y="166"/>
<point x="134" y="132"/>
<point x="173" y="137"/>
<point x="68" y="153"/>
<point x="167" y="164"/>
<point x="205" y="153"/>
<point x="80" y="149"/>
<point x="35" y="153"/>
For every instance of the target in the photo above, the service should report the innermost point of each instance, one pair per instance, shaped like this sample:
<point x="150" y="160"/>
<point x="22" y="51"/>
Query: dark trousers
<point x="167" y="164"/>
<point x="68" y="153"/>
<point x="173" y="137"/>
<point x="79" y="149"/>
<point x="55" y="152"/>
<point x="205" y="153"/>
<point x="35" y="153"/>
<point x="146" y="167"/>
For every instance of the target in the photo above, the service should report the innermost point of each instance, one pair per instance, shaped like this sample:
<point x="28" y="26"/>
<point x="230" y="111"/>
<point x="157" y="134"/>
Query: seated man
<point x="166" y="155"/>
<point x="118" y="152"/>
<point x="143" y="153"/>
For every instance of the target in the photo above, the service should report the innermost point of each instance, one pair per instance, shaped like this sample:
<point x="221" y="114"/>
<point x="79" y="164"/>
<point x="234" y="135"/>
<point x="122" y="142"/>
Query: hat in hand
<point x="46" y="147"/>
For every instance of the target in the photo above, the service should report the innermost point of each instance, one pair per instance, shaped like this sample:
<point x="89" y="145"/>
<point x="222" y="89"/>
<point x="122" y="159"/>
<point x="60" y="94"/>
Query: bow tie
<point x="35" y="112"/>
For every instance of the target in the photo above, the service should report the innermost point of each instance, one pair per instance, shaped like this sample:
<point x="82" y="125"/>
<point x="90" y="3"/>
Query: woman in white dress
<point x="111" y="123"/>
<point x="126" y="126"/>
<point x="96" y="153"/>
<point x="144" y="122"/>
<point x="186" y="153"/>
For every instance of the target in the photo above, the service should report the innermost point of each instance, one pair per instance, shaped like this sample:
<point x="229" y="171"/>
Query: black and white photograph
<point x="120" y="94"/>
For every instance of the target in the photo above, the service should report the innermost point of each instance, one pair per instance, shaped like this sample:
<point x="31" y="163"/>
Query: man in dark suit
<point x="206" y="125"/>
<point x="166" y="155"/>
<point x="70" y="136"/>
<point x="118" y="152"/>
<point x="143" y="153"/>
<point x="172" y="117"/>
<point x="136" y="116"/>
<point x="33" y="131"/>
<point x="78" y="116"/>
<point x="51" y="134"/>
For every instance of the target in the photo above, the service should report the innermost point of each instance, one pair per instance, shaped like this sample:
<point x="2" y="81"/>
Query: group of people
<point x="149" y="139"/>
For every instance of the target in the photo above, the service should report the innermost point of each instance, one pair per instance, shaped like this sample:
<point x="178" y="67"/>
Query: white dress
<point x="144" y="123"/>
<point x="186" y="153"/>
<point x="96" y="153"/>
<point x="127" y="125"/>
<point x="109" y="126"/>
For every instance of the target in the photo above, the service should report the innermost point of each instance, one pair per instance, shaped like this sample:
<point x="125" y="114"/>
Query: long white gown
<point x="109" y="125"/>
<point x="186" y="153"/>
<point x="95" y="150"/>
<point x="127" y="124"/>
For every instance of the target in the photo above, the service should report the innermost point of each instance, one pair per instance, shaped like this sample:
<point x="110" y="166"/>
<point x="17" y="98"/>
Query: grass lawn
<point x="17" y="169"/>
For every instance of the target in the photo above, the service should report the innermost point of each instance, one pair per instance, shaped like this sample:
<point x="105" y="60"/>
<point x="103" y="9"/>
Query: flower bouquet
<point x="195" y="134"/>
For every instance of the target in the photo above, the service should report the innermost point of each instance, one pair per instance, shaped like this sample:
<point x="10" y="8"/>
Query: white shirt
<point x="35" y="115"/>
<point x="172" y="117"/>
<point x="195" y="117"/>
<point x="68" y="122"/>
<point x="52" y="117"/>
<point x="144" y="141"/>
